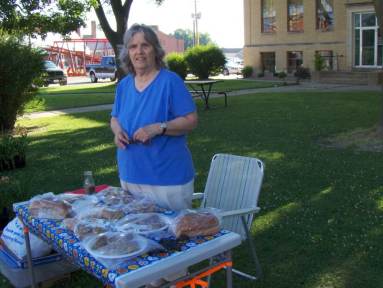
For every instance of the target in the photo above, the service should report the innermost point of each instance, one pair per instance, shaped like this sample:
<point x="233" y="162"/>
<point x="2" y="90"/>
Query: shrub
<point x="12" y="191"/>
<point x="319" y="62"/>
<point x="247" y="71"/>
<point x="176" y="62"/>
<point x="302" y="73"/>
<point x="204" y="61"/>
<point x="12" y="149"/>
<point x="282" y="75"/>
<point x="20" y="65"/>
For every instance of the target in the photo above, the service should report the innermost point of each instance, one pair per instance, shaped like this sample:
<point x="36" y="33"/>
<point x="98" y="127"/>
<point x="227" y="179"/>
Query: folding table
<point x="137" y="271"/>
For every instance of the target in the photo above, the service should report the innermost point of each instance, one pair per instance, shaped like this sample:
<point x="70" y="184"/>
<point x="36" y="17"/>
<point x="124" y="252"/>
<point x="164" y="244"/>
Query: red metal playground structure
<point x="74" y="54"/>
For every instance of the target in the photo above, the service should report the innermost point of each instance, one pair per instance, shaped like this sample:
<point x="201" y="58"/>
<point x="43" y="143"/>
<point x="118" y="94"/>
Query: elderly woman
<point x="152" y="113"/>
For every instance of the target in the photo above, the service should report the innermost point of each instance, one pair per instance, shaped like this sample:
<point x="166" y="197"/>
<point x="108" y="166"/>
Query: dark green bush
<point x="282" y="75"/>
<point x="302" y="73"/>
<point x="247" y="71"/>
<point x="204" y="61"/>
<point x="176" y="62"/>
<point x="12" y="191"/>
<point x="20" y="65"/>
<point x="319" y="62"/>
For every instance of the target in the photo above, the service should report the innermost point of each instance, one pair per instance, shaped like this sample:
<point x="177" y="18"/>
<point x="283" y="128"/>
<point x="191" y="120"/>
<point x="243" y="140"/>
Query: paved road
<point x="304" y="86"/>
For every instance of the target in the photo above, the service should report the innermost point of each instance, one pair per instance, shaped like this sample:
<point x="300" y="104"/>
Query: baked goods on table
<point x="49" y="206"/>
<point x="142" y="205"/>
<point x="112" y="245"/>
<point x="196" y="223"/>
<point x="87" y="228"/>
<point x="114" y="196"/>
<point x="112" y="223"/>
<point x="145" y="223"/>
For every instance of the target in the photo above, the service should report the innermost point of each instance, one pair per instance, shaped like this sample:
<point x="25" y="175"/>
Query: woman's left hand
<point x="146" y="133"/>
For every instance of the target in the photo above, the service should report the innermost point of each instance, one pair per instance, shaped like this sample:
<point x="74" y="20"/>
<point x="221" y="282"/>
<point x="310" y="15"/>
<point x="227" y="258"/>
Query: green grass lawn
<point x="322" y="209"/>
<point x="61" y="97"/>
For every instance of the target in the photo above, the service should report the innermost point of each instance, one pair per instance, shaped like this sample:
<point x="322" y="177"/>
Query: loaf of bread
<point x="47" y="208"/>
<point x="196" y="224"/>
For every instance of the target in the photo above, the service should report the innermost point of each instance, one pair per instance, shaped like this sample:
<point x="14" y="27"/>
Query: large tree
<point x="187" y="36"/>
<point x="379" y="15"/>
<point x="121" y="14"/>
<point x="38" y="17"/>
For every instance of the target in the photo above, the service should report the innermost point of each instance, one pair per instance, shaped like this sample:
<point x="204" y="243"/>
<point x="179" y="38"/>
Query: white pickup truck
<point x="106" y="69"/>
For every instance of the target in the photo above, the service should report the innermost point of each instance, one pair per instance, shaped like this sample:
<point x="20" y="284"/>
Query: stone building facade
<point x="281" y="35"/>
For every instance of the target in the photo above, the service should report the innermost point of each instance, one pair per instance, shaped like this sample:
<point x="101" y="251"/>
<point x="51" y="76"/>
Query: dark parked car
<point x="53" y="74"/>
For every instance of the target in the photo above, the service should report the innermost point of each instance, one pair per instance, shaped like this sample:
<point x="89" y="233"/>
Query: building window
<point x="294" y="60"/>
<point x="295" y="15"/>
<point x="268" y="61"/>
<point x="325" y="15"/>
<point x="268" y="16"/>
<point x="327" y="56"/>
<point x="368" y="44"/>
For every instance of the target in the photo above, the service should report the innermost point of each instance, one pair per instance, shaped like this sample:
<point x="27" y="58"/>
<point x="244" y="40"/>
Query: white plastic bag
<point x="13" y="238"/>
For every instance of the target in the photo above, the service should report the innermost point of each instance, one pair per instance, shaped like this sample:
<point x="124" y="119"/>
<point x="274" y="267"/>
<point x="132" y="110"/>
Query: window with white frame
<point x="368" y="46"/>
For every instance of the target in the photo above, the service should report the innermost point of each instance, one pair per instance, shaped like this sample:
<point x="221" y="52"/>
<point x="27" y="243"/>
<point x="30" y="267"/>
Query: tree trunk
<point x="115" y="38"/>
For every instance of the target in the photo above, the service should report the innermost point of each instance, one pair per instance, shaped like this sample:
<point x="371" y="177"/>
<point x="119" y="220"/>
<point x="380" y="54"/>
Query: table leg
<point x="229" y="272"/>
<point x="206" y="94"/>
<point x="29" y="256"/>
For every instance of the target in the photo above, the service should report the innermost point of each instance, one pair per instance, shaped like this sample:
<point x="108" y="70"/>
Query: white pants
<point x="172" y="197"/>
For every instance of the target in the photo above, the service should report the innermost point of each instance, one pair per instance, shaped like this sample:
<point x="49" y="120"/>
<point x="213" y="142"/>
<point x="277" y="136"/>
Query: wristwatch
<point x="164" y="127"/>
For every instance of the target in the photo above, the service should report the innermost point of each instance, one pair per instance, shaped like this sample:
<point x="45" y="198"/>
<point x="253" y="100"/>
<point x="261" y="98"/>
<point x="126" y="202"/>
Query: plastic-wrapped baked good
<point x="143" y="205"/>
<point x="195" y="223"/>
<point x="87" y="228"/>
<point x="101" y="212"/>
<point x="70" y="197"/>
<point x="114" y="245"/>
<point x="49" y="206"/>
<point x="114" y="196"/>
<point x="70" y="223"/>
<point x="145" y="223"/>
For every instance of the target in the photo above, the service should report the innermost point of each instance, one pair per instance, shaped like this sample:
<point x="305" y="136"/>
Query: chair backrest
<point x="234" y="182"/>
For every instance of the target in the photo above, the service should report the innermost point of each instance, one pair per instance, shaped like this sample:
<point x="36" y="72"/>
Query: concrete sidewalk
<point x="304" y="86"/>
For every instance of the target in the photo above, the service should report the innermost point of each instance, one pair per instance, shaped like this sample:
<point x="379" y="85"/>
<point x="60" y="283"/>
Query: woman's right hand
<point x="121" y="139"/>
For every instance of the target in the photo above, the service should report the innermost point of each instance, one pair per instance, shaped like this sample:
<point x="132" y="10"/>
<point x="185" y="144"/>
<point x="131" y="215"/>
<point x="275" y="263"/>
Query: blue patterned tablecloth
<point x="65" y="242"/>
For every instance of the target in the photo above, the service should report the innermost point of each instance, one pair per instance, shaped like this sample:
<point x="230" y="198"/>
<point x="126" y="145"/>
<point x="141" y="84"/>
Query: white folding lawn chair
<point x="233" y="186"/>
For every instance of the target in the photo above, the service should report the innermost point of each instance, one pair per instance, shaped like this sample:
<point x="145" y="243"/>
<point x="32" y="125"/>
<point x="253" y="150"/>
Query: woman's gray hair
<point x="151" y="37"/>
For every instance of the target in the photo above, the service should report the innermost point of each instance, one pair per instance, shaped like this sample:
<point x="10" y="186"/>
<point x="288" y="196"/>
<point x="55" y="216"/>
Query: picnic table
<point x="137" y="271"/>
<point x="204" y="89"/>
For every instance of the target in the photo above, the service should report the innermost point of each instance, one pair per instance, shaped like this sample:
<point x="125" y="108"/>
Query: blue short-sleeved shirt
<point x="166" y="160"/>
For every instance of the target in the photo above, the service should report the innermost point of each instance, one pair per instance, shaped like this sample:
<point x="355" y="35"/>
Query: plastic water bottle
<point x="89" y="184"/>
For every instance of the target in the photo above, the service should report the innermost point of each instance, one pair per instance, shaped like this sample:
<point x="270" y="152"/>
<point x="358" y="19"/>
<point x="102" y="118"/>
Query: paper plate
<point x="116" y="245"/>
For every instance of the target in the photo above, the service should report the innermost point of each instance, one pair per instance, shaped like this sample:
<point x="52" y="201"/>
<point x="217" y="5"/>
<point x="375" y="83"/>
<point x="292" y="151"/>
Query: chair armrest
<point x="197" y="195"/>
<point x="239" y="212"/>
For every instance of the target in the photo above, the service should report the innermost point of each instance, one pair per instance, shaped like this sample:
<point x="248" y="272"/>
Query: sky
<point x="221" y="19"/>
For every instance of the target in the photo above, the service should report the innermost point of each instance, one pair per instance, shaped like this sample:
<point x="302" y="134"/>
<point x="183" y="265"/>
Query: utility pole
<point x="196" y="15"/>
